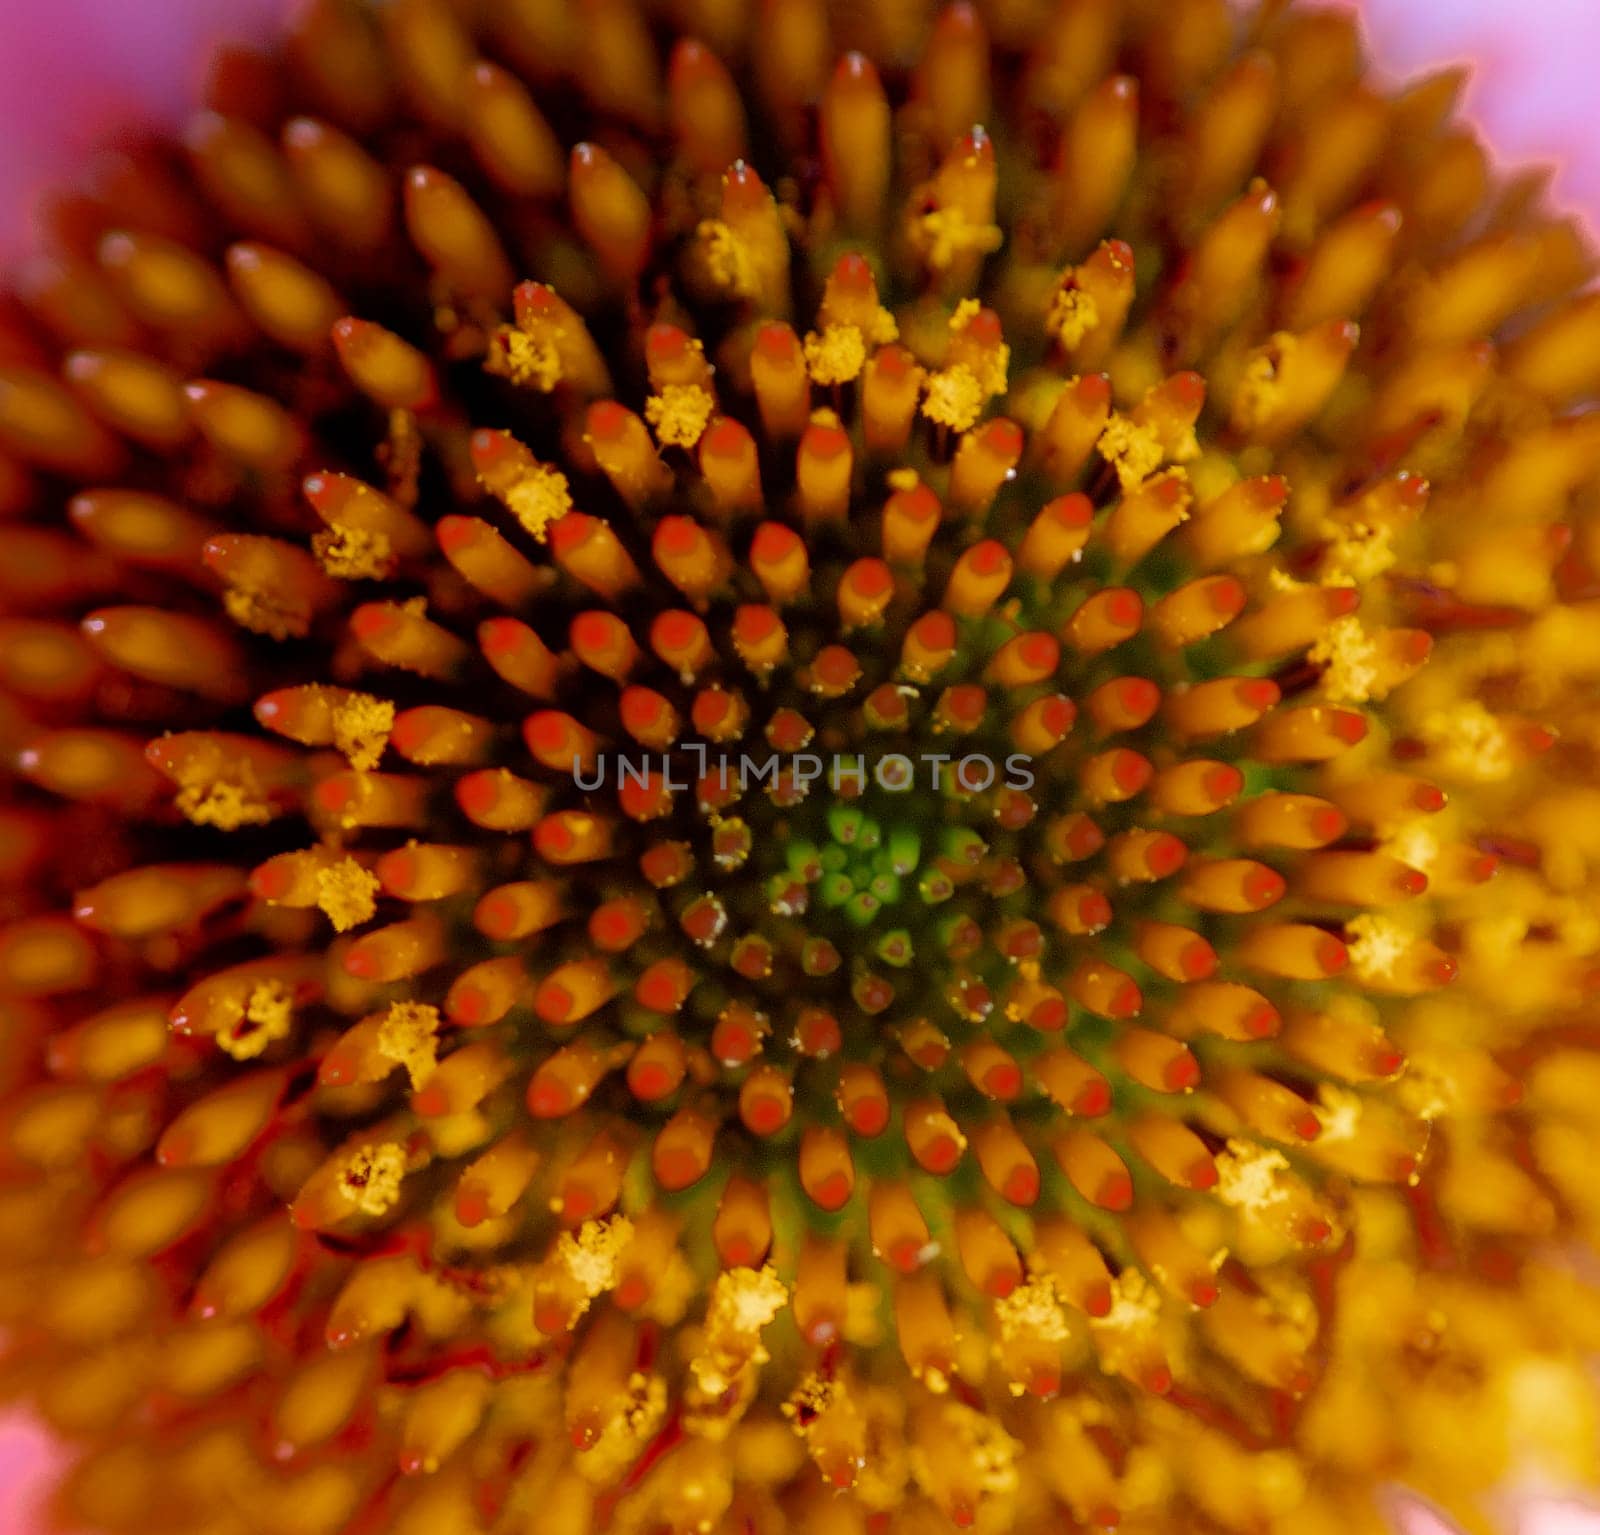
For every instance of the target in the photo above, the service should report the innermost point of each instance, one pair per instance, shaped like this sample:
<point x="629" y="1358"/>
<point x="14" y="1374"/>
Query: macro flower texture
<point x="783" y="765"/>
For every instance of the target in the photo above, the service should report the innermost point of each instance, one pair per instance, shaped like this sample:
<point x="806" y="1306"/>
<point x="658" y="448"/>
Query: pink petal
<point x="1558" y="1516"/>
<point x="29" y="1461"/>
<point x="1535" y="66"/>
<point x="73" y="72"/>
<point x="1411" y="1515"/>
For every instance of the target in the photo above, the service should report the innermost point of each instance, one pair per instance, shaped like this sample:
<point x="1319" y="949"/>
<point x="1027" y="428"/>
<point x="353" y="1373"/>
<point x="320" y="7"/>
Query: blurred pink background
<point x="72" y="70"/>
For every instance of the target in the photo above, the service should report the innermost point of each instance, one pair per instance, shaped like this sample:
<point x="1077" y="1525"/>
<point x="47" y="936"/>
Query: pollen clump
<point x="226" y="803"/>
<point x="1132" y="449"/>
<point x="353" y="554"/>
<point x="954" y="397"/>
<point x="527" y="358"/>
<point x="729" y="259"/>
<point x="265" y="1018"/>
<point x="743" y="1302"/>
<point x="1073" y="314"/>
<point x="370" y="1179"/>
<point x="346" y="893"/>
<point x="538" y="498"/>
<point x="835" y="355"/>
<point x="1349" y="658"/>
<point x="679" y="414"/>
<point x="361" y="726"/>
<point x="408" y="1034"/>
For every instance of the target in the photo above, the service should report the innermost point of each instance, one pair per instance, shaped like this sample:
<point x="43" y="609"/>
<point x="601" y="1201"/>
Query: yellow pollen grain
<point x="1376" y="945"/>
<point x="1279" y="580"/>
<point x="1073" y="314"/>
<point x="371" y="1178"/>
<point x="1339" y="1113"/>
<point x="1349" y="658"/>
<point x="408" y="1034"/>
<point x="811" y="1398"/>
<point x="728" y="259"/>
<point x="946" y="233"/>
<point x="265" y="1018"/>
<point x="991" y="371"/>
<point x="954" y="397"/>
<point x="988" y="365"/>
<point x="257" y="610"/>
<point x="591" y="1253"/>
<point x="1135" y="1305"/>
<point x="226" y="801"/>
<point x="882" y="328"/>
<point x="353" y="554"/>
<point x="347" y="894"/>
<point x="361" y="726"/>
<point x="679" y="414"/>
<point x="539" y="498"/>
<point x="1469" y="742"/>
<point x="1415" y="843"/>
<point x="835" y="355"/>
<point x="1134" y="451"/>
<point x="1249" y="1177"/>
<point x="1033" y="1310"/>
<point x="1359" y="553"/>
<point x="627" y="1432"/>
<point x="1261" y="390"/>
<point x="963" y="315"/>
<point x="526" y="357"/>
<point x="743" y="1301"/>
<point x="815" y="1399"/>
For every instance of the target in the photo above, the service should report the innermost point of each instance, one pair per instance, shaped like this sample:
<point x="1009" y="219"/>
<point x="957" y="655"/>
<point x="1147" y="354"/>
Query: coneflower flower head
<point x="856" y="743"/>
